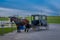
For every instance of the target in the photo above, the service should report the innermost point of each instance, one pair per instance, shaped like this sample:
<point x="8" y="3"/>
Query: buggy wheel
<point x="47" y="27"/>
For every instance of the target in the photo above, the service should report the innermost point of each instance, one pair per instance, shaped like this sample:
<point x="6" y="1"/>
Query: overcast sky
<point x="28" y="7"/>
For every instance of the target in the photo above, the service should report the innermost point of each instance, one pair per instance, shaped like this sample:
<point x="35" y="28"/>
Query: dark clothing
<point x="21" y="27"/>
<point x="27" y="27"/>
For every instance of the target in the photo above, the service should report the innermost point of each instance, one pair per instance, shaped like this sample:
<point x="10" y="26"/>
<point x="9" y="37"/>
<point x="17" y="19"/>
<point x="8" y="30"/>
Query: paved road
<point x="52" y="34"/>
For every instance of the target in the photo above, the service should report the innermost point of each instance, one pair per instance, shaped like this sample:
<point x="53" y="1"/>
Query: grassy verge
<point x="7" y="30"/>
<point x="53" y="19"/>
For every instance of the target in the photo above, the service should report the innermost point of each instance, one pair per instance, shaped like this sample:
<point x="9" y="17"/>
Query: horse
<point x="20" y="22"/>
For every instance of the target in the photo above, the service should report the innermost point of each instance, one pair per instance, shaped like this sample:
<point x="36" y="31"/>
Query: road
<point x="52" y="34"/>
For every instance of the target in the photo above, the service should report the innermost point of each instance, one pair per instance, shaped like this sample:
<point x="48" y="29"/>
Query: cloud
<point x="11" y="12"/>
<point x="43" y="10"/>
<point x="55" y="3"/>
<point x="8" y="12"/>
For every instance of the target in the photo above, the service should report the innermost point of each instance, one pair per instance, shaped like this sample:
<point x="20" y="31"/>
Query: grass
<point x="6" y="30"/>
<point x="4" y="18"/>
<point x="53" y="19"/>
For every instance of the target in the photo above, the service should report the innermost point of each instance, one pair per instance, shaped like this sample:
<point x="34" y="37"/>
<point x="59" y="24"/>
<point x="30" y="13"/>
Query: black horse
<point x="20" y="22"/>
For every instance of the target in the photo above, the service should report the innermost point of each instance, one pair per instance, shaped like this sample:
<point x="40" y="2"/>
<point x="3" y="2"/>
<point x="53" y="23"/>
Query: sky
<point x="29" y="7"/>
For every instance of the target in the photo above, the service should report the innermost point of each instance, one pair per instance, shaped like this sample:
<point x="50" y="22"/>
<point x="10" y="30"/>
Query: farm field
<point x="53" y="19"/>
<point x="4" y="18"/>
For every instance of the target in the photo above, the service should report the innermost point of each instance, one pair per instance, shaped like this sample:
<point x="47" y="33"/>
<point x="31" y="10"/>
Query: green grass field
<point x="6" y="30"/>
<point x="4" y="18"/>
<point x="53" y="19"/>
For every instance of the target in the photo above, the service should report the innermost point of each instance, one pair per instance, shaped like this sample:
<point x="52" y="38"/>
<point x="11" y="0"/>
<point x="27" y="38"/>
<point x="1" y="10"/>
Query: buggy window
<point x="36" y="18"/>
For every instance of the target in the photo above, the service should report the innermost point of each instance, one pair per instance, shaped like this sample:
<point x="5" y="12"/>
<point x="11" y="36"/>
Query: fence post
<point x="11" y="26"/>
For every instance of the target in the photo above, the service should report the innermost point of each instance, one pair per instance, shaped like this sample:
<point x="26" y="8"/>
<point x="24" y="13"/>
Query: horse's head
<point x="12" y="19"/>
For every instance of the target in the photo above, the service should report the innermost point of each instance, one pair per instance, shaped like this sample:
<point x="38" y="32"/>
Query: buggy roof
<point x="38" y="15"/>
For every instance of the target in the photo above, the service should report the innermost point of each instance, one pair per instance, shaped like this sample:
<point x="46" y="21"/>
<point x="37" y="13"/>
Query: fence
<point x="6" y="24"/>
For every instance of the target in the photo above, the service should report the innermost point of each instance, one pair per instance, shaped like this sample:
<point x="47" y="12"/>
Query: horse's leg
<point x="18" y="29"/>
<point x="25" y="29"/>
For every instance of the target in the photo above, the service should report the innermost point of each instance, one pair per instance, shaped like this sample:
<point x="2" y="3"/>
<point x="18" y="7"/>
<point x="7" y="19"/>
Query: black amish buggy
<point x="39" y="20"/>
